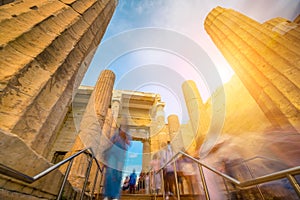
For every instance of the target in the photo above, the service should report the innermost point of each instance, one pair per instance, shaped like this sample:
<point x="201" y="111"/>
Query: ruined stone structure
<point x="46" y="47"/>
<point x="139" y="107"/>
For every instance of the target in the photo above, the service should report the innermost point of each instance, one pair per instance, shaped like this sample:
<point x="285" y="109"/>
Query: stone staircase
<point x="160" y="197"/>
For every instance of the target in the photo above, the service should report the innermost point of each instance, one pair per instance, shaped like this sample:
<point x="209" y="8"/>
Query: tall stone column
<point x="160" y="114"/>
<point x="104" y="142"/>
<point x="158" y="128"/>
<point x="108" y="122"/>
<point x="175" y="134"/>
<point x="266" y="59"/>
<point x="199" y="117"/>
<point x="115" y="107"/>
<point x="46" y="48"/>
<point x="103" y="94"/>
<point x="146" y="156"/>
<point x="158" y="119"/>
<point x="93" y="126"/>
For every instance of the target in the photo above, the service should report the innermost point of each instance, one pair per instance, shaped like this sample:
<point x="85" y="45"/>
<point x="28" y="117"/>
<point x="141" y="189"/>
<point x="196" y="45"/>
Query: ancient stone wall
<point x="69" y="128"/>
<point x="18" y="156"/>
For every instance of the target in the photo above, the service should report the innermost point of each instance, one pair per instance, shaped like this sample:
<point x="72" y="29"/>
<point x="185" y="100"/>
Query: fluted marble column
<point x="160" y="114"/>
<point x="146" y="156"/>
<point x="103" y="94"/>
<point x="108" y="122"/>
<point x="266" y="59"/>
<point x="199" y="117"/>
<point x="115" y="107"/>
<point x="158" y="129"/>
<point x="45" y="52"/>
<point x="158" y="121"/>
<point x="175" y="134"/>
<point x="92" y="126"/>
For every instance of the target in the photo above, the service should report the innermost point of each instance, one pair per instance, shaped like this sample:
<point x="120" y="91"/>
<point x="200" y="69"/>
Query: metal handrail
<point x="288" y="173"/>
<point x="245" y="161"/>
<point x="5" y="170"/>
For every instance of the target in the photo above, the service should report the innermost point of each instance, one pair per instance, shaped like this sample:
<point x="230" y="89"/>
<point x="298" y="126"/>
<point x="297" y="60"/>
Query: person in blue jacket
<point x="115" y="158"/>
<point x="132" y="182"/>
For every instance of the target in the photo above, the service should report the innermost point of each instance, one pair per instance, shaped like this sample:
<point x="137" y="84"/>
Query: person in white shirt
<point x="156" y="181"/>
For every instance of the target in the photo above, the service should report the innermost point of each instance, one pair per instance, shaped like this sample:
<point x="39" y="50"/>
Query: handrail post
<point x="154" y="181"/>
<point x="65" y="179"/>
<point x="101" y="178"/>
<point x="257" y="186"/>
<point x="150" y="181"/>
<point x="226" y="187"/>
<point x="176" y="180"/>
<point x="163" y="184"/>
<point x="294" y="183"/>
<point x="95" y="182"/>
<point x="203" y="182"/>
<point x="86" y="177"/>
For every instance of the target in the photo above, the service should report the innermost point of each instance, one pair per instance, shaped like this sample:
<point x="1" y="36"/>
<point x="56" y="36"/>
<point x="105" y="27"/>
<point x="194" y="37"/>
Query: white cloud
<point x="132" y="155"/>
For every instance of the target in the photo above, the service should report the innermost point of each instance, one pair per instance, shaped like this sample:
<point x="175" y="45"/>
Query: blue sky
<point x="185" y="18"/>
<point x="133" y="158"/>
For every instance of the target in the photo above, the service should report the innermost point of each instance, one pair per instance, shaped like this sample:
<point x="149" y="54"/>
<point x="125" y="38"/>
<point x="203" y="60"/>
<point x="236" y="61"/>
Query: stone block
<point x="44" y="141"/>
<point x="7" y="120"/>
<point x="97" y="24"/>
<point x="68" y="2"/>
<point x="50" y="27"/>
<point x="85" y="42"/>
<point x="13" y="186"/>
<point x="5" y="194"/>
<point x="78" y="28"/>
<point x="33" y="42"/>
<point x="8" y="61"/>
<point x="56" y="23"/>
<point x="12" y="107"/>
<point x="59" y="49"/>
<point x="75" y="57"/>
<point x="92" y="13"/>
<point x="2" y="181"/>
<point x="82" y="6"/>
<point x="26" y="19"/>
<point x="51" y="8"/>
<point x="42" y="195"/>
<point x="19" y="7"/>
<point x="31" y="164"/>
<point x="107" y="10"/>
<point x="26" y="190"/>
<point x="11" y="29"/>
<point x="66" y="18"/>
